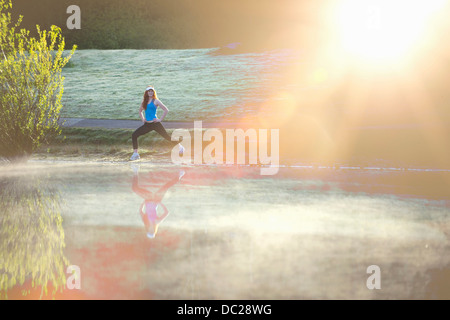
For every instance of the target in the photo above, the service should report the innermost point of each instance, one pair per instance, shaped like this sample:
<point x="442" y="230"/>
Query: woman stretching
<point x="151" y="122"/>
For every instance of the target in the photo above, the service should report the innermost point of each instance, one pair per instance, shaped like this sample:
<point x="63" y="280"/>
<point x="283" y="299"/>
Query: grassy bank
<point x="382" y="148"/>
<point x="100" y="144"/>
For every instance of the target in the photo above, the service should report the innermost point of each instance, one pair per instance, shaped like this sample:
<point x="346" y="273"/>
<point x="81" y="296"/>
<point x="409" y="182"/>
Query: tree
<point x="31" y="85"/>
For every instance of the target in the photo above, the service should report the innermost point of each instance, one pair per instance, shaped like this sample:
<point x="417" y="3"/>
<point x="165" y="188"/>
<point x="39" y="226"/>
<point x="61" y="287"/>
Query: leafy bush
<point x="31" y="85"/>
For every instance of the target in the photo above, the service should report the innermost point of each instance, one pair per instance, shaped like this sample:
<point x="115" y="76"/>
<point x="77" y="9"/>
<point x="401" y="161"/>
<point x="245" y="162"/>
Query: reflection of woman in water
<point x="152" y="201"/>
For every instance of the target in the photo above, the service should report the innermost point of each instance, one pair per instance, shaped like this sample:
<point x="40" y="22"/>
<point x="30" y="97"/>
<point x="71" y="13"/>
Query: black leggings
<point x="146" y="128"/>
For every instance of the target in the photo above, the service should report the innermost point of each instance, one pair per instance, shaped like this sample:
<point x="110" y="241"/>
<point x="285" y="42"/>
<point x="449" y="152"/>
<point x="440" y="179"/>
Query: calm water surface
<point x="155" y="231"/>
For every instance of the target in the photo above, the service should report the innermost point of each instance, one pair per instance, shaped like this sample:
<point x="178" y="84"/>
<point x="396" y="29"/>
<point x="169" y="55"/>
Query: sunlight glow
<point x="383" y="30"/>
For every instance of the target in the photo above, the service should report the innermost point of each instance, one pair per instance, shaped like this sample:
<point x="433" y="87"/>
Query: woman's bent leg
<point x="139" y="132"/>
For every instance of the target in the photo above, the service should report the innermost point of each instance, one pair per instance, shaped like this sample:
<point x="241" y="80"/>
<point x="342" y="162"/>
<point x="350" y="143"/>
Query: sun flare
<point x="383" y="30"/>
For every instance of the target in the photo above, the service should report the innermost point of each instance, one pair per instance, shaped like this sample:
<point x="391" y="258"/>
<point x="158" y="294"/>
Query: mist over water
<point x="300" y="234"/>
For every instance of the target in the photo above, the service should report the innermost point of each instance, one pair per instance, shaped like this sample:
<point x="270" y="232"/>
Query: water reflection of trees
<point x="31" y="237"/>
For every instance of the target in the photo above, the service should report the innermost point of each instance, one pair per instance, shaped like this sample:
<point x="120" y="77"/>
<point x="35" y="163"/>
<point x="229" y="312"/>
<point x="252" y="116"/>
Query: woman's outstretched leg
<point x="134" y="138"/>
<point x="158" y="127"/>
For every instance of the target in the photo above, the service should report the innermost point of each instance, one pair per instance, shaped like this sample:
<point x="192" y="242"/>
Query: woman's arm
<point x="141" y="114"/>
<point x="162" y="106"/>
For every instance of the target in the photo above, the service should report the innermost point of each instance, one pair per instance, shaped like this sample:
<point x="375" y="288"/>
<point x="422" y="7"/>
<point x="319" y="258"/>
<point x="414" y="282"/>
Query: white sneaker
<point x="135" y="156"/>
<point x="181" y="151"/>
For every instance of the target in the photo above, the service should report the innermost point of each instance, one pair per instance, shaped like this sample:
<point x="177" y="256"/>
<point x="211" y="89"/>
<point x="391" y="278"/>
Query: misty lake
<point x="159" y="231"/>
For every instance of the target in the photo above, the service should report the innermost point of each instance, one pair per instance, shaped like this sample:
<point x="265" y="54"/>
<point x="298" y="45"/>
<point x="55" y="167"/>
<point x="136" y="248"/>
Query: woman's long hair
<point x="146" y="99"/>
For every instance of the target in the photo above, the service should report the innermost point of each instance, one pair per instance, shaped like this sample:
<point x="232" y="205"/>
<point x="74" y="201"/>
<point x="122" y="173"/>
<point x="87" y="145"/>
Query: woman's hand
<point x="156" y="120"/>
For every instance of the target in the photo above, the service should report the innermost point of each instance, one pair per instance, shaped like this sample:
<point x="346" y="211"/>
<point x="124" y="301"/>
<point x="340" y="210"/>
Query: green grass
<point x="106" y="137"/>
<point x="101" y="143"/>
<point x="193" y="84"/>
